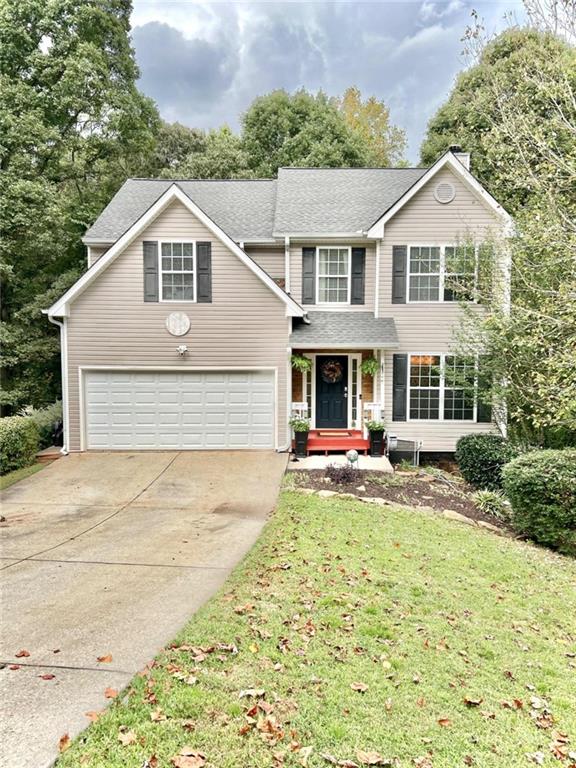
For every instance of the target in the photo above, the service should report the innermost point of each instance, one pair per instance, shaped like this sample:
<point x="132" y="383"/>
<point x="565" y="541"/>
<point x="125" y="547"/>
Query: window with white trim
<point x="442" y="387"/>
<point x="333" y="271"/>
<point x="442" y="272"/>
<point x="177" y="271"/>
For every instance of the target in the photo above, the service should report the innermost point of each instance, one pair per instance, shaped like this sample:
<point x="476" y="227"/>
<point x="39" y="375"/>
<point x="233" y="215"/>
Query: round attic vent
<point x="444" y="192"/>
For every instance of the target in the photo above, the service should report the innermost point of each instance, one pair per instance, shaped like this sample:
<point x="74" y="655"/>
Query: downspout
<point x="64" y="373"/>
<point x="287" y="264"/>
<point x="377" y="282"/>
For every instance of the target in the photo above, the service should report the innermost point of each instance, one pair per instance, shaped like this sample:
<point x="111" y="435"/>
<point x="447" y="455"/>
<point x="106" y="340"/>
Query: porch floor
<point x="336" y="441"/>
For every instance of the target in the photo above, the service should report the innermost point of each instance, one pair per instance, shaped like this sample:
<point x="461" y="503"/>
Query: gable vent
<point x="444" y="192"/>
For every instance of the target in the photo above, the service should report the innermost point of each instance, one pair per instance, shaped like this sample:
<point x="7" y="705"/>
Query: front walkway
<point x="108" y="554"/>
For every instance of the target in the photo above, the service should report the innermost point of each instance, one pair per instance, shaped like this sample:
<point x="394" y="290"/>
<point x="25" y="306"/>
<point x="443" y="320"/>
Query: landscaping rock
<point x="347" y="496"/>
<point x="307" y="491"/>
<point x="327" y="494"/>
<point x="378" y="500"/>
<point x="489" y="526"/>
<point x="361" y="488"/>
<point x="452" y="515"/>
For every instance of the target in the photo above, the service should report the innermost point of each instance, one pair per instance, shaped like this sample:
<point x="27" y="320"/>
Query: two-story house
<point x="180" y="333"/>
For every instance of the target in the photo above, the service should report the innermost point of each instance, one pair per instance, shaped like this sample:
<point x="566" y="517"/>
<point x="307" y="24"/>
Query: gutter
<point x="64" y="373"/>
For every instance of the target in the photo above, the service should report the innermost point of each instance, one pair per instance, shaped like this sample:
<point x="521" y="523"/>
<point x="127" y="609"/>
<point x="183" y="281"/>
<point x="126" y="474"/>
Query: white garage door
<point x="137" y="410"/>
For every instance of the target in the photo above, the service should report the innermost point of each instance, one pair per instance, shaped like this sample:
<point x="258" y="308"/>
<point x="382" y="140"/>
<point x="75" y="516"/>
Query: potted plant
<point x="370" y="366"/>
<point x="301" y="429"/>
<point x="301" y="363"/>
<point x="376" y="430"/>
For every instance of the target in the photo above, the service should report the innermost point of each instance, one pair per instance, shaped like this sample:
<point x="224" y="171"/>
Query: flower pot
<point x="301" y="444"/>
<point x="377" y="443"/>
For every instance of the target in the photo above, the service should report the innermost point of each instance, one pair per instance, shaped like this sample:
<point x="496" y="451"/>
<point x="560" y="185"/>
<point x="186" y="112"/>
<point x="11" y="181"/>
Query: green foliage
<point x="73" y="126"/>
<point x="45" y="420"/>
<point x="174" y="143"/>
<point x="375" y="426"/>
<point x="370" y="366"/>
<point x="299" y="129"/>
<point x="221" y="156"/>
<point x="19" y="441"/>
<point x="541" y="486"/>
<point x="492" y="503"/>
<point x="299" y="425"/>
<point x="481" y="457"/>
<point x="301" y="363"/>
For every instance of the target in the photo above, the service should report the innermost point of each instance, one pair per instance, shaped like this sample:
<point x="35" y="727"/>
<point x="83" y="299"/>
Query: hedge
<point x="45" y="419"/>
<point x="19" y="441"/>
<point x="481" y="457"/>
<point x="541" y="486"/>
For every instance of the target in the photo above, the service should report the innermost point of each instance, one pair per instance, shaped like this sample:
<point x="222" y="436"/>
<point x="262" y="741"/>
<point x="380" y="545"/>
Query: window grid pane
<point x="459" y="379"/>
<point x="459" y="272"/>
<point x="333" y="275"/>
<point x="354" y="391"/>
<point x="425" y="387"/>
<point x="177" y="267"/>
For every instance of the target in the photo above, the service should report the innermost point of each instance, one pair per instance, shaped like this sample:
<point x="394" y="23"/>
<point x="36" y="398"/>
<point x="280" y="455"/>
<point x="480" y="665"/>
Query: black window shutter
<point x="358" y="275"/>
<point x="150" y="270"/>
<point x="204" y="268"/>
<point x="399" y="259"/>
<point x="483" y="408"/>
<point x="308" y="275"/>
<point x="399" y="387"/>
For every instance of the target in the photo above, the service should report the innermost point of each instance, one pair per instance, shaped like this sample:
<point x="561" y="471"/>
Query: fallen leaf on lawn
<point x="47" y="676"/>
<point x="472" y="702"/>
<point x="189" y="725"/>
<point x="241" y="609"/>
<point x="252" y="693"/>
<point x="305" y="753"/>
<point x="22" y="654"/>
<point x="157" y="716"/>
<point x="63" y="743"/>
<point x="421" y="702"/>
<point x="488" y="715"/>
<point x="126" y="737"/>
<point x="423" y="762"/>
<point x="444" y="722"/>
<point x="151" y="762"/>
<point x="360" y="687"/>
<point x="93" y="715"/>
<point x="468" y="760"/>
<point x="514" y="704"/>
<point x="254" y="648"/>
<point x="104" y="659"/>
<point x="343" y="763"/>
<point x="110" y="693"/>
<point x="536" y="757"/>
<point x="14" y="666"/>
<point x="189" y="758"/>
<point x="372" y="758"/>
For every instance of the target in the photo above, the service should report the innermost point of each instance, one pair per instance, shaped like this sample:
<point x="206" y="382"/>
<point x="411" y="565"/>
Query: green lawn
<point x="18" y="474"/>
<point x="423" y="612"/>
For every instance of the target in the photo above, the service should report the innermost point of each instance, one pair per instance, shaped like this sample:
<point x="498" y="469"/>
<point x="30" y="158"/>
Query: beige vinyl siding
<point x="271" y="259"/>
<point x="94" y="253"/>
<point x="370" y="277"/>
<point x="111" y="325"/>
<point x="429" y="328"/>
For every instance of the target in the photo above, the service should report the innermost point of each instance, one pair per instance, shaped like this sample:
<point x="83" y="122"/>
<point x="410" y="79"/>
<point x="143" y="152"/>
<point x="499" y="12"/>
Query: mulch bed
<point x="413" y="489"/>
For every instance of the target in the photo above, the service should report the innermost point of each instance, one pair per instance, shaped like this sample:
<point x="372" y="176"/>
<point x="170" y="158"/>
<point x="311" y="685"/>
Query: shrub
<point x="19" y="442"/>
<point x="492" y="503"/>
<point x="341" y="473"/>
<point x="480" y="459"/>
<point x="541" y="486"/>
<point x="45" y="419"/>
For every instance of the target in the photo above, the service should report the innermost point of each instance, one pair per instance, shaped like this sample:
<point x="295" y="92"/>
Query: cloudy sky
<point x="204" y="62"/>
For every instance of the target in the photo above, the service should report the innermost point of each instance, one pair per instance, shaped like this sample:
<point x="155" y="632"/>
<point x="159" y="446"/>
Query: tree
<point x="370" y="119"/>
<point x="221" y="156"/>
<point x="516" y="111"/>
<point x="174" y="143"/>
<point x="73" y="126"/>
<point x="300" y="129"/>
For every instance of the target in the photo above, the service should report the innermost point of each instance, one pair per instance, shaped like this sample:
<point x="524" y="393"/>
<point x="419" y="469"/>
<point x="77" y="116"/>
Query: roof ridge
<point x="148" y="178"/>
<point x="353" y="168"/>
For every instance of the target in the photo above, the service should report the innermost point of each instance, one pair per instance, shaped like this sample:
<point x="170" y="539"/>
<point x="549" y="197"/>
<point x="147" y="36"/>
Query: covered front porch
<point x="337" y="377"/>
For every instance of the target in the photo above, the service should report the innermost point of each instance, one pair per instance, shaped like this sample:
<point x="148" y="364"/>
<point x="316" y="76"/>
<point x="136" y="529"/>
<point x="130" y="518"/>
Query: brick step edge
<point x="48" y="454"/>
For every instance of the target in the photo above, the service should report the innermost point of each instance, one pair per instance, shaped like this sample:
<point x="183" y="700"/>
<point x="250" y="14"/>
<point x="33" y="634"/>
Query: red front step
<point x="336" y="440"/>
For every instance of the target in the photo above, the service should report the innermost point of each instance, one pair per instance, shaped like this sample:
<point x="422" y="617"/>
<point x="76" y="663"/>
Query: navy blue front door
<point x="332" y="391"/>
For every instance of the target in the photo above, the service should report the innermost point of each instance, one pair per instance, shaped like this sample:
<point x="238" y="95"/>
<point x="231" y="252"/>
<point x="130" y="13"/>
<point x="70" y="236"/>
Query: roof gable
<point x="61" y="307"/>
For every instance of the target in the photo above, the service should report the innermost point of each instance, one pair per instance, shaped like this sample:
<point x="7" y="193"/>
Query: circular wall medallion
<point x="177" y="323"/>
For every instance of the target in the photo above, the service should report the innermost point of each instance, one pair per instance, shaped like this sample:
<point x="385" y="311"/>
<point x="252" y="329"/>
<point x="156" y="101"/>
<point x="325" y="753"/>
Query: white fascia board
<point x="61" y="308"/>
<point x="97" y="242"/>
<point x="350" y="345"/>
<point x="321" y="235"/>
<point x="447" y="160"/>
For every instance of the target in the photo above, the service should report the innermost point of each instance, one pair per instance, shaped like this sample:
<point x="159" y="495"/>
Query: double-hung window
<point x="333" y="275"/>
<point x="178" y="271"/>
<point x="442" y="387"/>
<point x="442" y="272"/>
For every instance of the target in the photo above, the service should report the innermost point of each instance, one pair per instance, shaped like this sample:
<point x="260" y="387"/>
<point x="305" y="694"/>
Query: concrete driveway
<point x="110" y="553"/>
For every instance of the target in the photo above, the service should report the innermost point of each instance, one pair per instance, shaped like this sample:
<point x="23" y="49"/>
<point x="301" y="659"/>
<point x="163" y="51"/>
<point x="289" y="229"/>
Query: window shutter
<point x="204" y="270"/>
<point x="150" y="270"/>
<point x="399" y="259"/>
<point x="358" y="275"/>
<point x="483" y="408"/>
<point x="399" y="387"/>
<point x="308" y="275"/>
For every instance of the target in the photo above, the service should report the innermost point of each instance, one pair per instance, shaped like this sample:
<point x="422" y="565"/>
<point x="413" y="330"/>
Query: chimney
<point x="463" y="157"/>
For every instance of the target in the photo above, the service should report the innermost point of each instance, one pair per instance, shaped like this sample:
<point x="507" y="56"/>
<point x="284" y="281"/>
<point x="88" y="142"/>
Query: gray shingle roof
<point x="302" y="200"/>
<point x="337" y="200"/>
<point x="344" y="329"/>
<point x="243" y="209"/>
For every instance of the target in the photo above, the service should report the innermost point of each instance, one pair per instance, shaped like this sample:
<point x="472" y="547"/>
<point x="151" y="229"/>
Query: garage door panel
<point x="143" y="410"/>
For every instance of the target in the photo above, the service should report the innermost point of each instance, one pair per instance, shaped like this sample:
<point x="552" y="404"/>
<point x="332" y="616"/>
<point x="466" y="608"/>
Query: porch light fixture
<point x="182" y="349"/>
